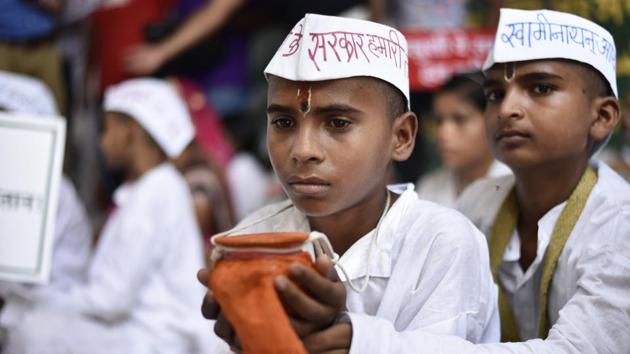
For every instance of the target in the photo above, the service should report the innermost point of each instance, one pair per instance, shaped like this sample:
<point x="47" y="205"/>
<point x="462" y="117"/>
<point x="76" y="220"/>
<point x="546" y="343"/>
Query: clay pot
<point x="242" y="283"/>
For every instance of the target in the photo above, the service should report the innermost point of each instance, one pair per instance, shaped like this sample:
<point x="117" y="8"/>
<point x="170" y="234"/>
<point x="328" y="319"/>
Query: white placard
<point x="31" y="156"/>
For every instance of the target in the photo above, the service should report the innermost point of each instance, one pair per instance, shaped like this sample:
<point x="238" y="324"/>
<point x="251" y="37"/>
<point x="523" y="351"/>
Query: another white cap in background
<point x="326" y="47"/>
<point x="546" y="34"/>
<point x="159" y="109"/>
<point x="24" y="94"/>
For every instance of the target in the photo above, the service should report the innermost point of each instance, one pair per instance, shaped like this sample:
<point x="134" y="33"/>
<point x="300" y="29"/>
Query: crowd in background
<point x="213" y="54"/>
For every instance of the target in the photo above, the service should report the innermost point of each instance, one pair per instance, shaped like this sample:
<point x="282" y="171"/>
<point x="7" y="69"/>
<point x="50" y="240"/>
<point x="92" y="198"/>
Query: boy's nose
<point x="306" y="146"/>
<point x="446" y="133"/>
<point x="511" y="106"/>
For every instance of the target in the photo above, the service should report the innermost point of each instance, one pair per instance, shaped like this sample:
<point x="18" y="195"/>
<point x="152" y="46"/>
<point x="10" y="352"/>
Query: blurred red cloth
<point x="116" y="29"/>
<point x="210" y="132"/>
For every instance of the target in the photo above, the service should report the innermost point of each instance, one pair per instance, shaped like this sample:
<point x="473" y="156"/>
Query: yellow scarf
<point x="504" y="225"/>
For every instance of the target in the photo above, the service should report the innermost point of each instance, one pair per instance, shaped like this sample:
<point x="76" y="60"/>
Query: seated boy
<point x="139" y="295"/>
<point x="338" y="116"/>
<point x="559" y="230"/>
<point x="72" y="243"/>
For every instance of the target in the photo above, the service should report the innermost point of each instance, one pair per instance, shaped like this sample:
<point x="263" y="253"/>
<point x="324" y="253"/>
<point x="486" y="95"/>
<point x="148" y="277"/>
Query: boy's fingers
<point x="236" y="346"/>
<point x="302" y="328"/>
<point x="202" y="276"/>
<point x="325" y="268"/>
<point x="334" y="338"/>
<point x="301" y="304"/>
<point x="223" y="329"/>
<point x="328" y="292"/>
<point x="210" y="309"/>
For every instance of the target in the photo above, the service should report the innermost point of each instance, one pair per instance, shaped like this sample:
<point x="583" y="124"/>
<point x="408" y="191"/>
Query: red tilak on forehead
<point x="304" y="99"/>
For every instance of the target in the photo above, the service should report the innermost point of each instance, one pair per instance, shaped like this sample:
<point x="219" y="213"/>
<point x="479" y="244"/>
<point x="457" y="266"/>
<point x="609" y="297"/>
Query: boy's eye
<point x="282" y="123"/>
<point x="493" y="95"/>
<point x="543" y="89"/>
<point x="339" y="123"/>
<point x="460" y="119"/>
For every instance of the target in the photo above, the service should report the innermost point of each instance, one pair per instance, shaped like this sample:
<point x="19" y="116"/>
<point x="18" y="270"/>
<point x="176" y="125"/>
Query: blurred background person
<point x="209" y="191"/>
<point x="140" y="291"/>
<point x="27" y="42"/>
<point x="461" y="139"/>
<point x="72" y="245"/>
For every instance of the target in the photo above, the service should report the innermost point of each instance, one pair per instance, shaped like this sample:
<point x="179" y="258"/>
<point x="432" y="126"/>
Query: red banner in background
<point x="436" y="55"/>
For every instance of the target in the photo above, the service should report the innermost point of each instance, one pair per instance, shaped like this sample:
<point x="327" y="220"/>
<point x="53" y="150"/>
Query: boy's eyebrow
<point x="491" y="82"/>
<point x="533" y="76"/>
<point x="538" y="75"/>
<point x="332" y="108"/>
<point x="276" y="108"/>
<point x="336" y="108"/>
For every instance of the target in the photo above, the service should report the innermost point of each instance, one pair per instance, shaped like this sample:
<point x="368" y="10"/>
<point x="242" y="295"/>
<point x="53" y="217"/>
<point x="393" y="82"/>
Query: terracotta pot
<point x="242" y="283"/>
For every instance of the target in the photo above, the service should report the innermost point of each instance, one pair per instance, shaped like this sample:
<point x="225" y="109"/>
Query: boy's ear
<point x="607" y="112"/>
<point x="404" y="135"/>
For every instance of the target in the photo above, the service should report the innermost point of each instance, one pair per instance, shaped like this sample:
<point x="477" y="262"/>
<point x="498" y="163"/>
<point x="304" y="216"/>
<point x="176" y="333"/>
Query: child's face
<point x="115" y="140"/>
<point x="461" y="134"/>
<point x="542" y="115"/>
<point x="330" y="142"/>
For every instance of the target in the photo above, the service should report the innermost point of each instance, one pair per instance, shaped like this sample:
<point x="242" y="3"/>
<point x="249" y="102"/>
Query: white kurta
<point x="141" y="294"/>
<point x="589" y="295"/>
<point x="429" y="273"/>
<point x="440" y="187"/>
<point x="71" y="251"/>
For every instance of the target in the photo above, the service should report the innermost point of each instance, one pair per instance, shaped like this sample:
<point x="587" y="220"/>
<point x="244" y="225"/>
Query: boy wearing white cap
<point x="559" y="230"/>
<point x="140" y="292"/>
<point x="338" y="116"/>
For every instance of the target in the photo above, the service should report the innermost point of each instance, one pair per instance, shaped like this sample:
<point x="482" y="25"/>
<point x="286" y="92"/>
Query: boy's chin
<point x="313" y="207"/>
<point x="516" y="160"/>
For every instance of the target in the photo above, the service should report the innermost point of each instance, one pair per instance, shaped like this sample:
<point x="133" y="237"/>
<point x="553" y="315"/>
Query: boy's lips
<point x="308" y="186"/>
<point x="511" y="137"/>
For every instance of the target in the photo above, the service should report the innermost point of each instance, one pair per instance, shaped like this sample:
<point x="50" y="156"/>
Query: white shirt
<point x="429" y="273"/>
<point x="141" y="283"/>
<point x="589" y="295"/>
<point x="440" y="186"/>
<point x="71" y="251"/>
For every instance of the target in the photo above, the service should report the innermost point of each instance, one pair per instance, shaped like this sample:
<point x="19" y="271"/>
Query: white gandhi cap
<point x="322" y="48"/>
<point x="545" y="34"/>
<point x="158" y="108"/>
<point x="25" y="94"/>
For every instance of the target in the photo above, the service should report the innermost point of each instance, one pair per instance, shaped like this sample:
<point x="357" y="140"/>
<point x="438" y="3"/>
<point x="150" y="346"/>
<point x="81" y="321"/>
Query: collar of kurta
<point x="355" y="259"/>
<point x="512" y="252"/>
